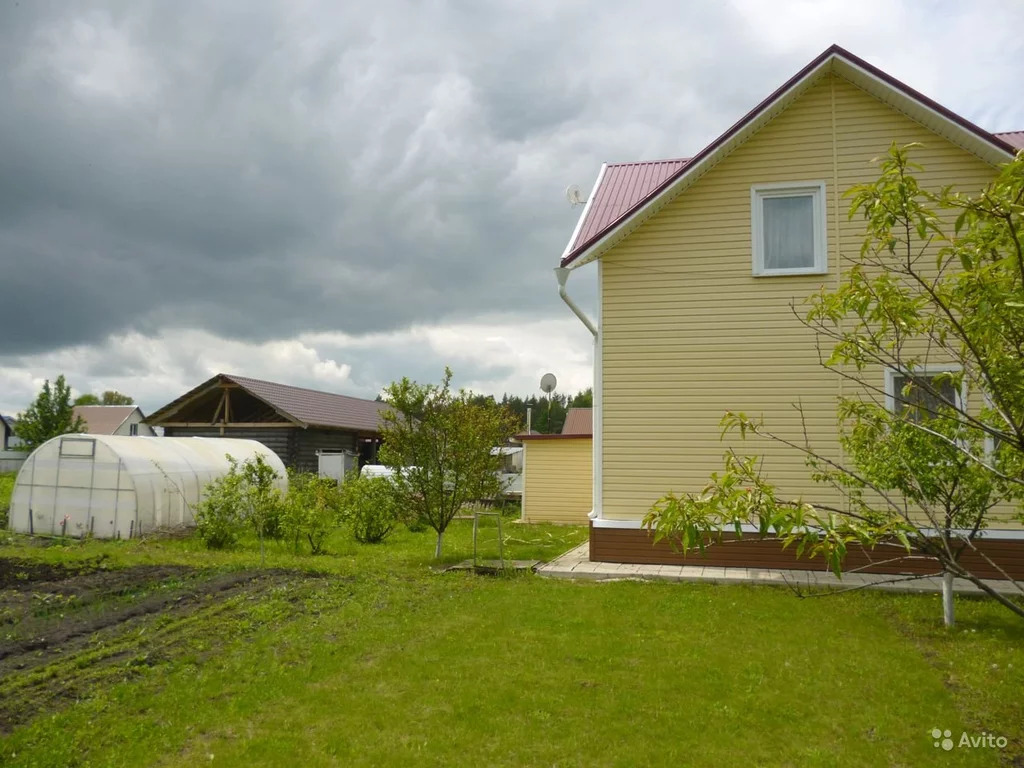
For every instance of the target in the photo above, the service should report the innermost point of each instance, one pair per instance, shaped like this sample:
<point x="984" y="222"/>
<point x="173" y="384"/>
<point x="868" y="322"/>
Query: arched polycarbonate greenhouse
<point x="110" y="486"/>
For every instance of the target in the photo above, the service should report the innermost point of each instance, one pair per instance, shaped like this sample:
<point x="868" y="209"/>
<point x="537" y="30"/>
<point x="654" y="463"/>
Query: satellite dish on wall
<point x="547" y="383"/>
<point x="574" y="195"/>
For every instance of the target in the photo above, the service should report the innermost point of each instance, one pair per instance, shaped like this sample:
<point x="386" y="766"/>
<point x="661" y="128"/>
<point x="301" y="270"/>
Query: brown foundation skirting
<point x="635" y="545"/>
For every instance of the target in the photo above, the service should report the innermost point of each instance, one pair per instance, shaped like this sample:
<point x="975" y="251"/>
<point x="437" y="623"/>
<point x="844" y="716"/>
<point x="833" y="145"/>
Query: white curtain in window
<point x="788" y="232"/>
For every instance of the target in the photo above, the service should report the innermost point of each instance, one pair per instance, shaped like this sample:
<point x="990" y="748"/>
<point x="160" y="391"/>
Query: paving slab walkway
<point x="576" y="564"/>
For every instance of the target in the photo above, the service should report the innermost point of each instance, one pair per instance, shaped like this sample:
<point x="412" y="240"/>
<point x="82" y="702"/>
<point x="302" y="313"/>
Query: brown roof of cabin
<point x="578" y="421"/>
<point x="103" y="419"/>
<point x="322" y="409"/>
<point x="306" y="407"/>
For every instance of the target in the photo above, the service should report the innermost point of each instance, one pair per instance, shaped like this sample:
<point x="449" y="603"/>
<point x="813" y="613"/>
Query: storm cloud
<point x="269" y="172"/>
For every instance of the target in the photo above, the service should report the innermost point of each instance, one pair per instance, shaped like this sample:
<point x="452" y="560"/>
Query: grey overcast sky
<point x="337" y="194"/>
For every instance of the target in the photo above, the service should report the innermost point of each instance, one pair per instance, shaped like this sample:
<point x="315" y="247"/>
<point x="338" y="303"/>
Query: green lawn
<point x="369" y="657"/>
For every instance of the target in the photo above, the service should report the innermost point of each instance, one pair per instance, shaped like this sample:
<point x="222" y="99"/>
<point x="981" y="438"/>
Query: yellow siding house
<point x="695" y="311"/>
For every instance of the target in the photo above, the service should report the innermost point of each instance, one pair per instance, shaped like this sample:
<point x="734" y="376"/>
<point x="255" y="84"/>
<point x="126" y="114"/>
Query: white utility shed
<point x="115" y="486"/>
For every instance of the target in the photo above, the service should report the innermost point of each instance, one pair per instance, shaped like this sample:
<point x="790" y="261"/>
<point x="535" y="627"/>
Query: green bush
<point x="371" y="506"/>
<point x="245" y="495"/>
<point x="312" y="510"/>
<point x="263" y="503"/>
<point x="6" y="489"/>
<point x="220" y="515"/>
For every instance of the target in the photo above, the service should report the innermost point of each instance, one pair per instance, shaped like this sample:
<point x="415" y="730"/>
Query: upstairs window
<point x="788" y="228"/>
<point x="133" y="430"/>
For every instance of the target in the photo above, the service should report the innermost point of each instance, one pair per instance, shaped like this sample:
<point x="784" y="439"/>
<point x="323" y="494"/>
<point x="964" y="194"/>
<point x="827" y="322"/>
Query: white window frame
<point x="928" y="370"/>
<point x="990" y="441"/>
<point x="761" y="192"/>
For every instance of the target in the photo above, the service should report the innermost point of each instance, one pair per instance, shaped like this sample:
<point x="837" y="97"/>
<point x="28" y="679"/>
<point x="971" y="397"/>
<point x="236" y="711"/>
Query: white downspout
<point x="562" y="275"/>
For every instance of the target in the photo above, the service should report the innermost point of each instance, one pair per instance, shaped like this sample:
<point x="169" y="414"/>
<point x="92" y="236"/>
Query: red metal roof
<point x="582" y="243"/>
<point x="1016" y="138"/>
<point x="578" y="421"/>
<point x="621" y="187"/>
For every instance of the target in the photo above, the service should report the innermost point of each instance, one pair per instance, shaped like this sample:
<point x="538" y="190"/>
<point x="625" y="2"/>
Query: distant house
<point x="8" y="440"/>
<point x="510" y="469"/>
<point x="12" y="448"/>
<point x="557" y="472"/>
<point x="294" y="422"/>
<point x="114" y="420"/>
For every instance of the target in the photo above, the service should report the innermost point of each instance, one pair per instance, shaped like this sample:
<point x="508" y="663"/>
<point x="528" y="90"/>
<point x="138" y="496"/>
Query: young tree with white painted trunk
<point x="439" y="444"/>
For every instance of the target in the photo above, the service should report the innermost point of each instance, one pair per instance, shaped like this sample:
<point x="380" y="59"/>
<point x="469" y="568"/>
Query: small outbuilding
<point x="113" y="486"/>
<point x="557" y="472"/>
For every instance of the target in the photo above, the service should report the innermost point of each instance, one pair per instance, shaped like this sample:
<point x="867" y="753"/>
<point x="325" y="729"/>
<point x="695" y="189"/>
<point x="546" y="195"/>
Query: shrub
<point x="220" y="514"/>
<point x="312" y="510"/>
<point x="416" y="524"/>
<point x="263" y="507"/>
<point x="371" y="506"/>
<point x="245" y="495"/>
<point x="6" y="489"/>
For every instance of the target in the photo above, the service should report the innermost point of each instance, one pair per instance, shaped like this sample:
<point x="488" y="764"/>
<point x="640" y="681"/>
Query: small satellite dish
<point x="574" y="195"/>
<point x="547" y="383"/>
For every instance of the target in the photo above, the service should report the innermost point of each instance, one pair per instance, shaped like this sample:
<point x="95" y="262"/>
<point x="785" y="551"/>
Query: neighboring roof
<point x="104" y="419"/>
<point x="1016" y="138"/>
<point x="8" y="421"/>
<point x="603" y="233"/>
<point x="324" y="409"/>
<point x="578" y="421"/>
<point x="306" y="407"/>
<point x="528" y="438"/>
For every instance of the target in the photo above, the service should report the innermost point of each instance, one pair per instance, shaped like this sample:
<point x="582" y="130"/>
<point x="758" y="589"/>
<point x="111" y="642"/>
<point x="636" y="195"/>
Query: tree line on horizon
<point x="547" y="412"/>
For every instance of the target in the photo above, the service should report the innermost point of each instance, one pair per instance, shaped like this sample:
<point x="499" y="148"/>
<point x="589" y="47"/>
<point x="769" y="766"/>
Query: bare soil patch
<point x="66" y="630"/>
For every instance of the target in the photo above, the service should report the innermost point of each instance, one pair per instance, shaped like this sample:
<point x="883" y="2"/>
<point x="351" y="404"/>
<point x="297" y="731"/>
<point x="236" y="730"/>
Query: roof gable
<point x="104" y="419"/>
<point x="315" y="408"/>
<point x="305" y="407"/>
<point x="993" y="148"/>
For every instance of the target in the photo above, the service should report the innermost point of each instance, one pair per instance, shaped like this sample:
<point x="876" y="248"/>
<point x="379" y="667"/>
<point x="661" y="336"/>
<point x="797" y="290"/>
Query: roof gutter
<point x="562" y="275"/>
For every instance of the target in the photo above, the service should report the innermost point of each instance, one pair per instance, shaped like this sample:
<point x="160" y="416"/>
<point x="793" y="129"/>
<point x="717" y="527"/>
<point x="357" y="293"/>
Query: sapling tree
<point x="940" y="307"/>
<point x="51" y="414"/>
<point x="262" y="499"/>
<point x="439" y="444"/>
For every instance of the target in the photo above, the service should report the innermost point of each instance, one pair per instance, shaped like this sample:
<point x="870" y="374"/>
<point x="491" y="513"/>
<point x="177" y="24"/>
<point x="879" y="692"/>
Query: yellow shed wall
<point x="557" y="482"/>
<point x="688" y="333"/>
